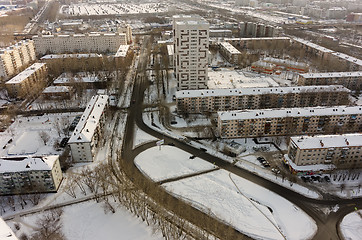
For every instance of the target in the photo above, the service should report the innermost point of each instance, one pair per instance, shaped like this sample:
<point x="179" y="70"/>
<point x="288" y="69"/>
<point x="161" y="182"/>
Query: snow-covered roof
<point x="79" y="77"/>
<point x="89" y="121"/>
<point x="328" y="141"/>
<point x="82" y="55"/>
<point x="313" y="45"/>
<point x="284" y="61"/>
<point x="289" y="112"/>
<point x="307" y="168"/>
<point x="21" y="164"/>
<point x="170" y="50"/>
<point x="5" y="231"/>
<point x="348" y="58"/>
<point x="257" y="39"/>
<point x="26" y="73"/>
<point x="57" y="89"/>
<point x="238" y="79"/>
<point x="230" y="48"/>
<point x="258" y="91"/>
<point x="331" y="74"/>
<point x="122" y="51"/>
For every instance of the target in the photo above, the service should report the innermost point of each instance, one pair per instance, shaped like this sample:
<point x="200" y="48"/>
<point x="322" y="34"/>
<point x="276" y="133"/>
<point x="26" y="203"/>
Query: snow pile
<point x="351" y="225"/>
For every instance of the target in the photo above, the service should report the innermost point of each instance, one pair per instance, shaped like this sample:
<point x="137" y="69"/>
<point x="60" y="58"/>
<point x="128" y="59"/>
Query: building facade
<point x="351" y="80"/>
<point x="289" y="121"/>
<point x="29" y="82"/>
<point x="191" y="49"/>
<point x="343" y="151"/>
<point x="79" y="43"/>
<point x="15" y="58"/>
<point x="88" y="132"/>
<point x="251" y="42"/>
<point x="230" y="52"/>
<point x="213" y="100"/>
<point x="20" y="175"/>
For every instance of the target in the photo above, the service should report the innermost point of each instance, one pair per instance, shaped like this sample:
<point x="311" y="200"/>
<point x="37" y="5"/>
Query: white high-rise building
<point x="191" y="50"/>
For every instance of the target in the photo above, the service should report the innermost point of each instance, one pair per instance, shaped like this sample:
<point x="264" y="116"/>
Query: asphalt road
<point x="327" y="224"/>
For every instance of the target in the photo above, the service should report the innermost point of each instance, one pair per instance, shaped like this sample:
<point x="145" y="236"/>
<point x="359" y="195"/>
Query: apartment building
<point x="213" y="100"/>
<point x="79" y="43"/>
<point x="351" y="80"/>
<point x="290" y="121"/>
<point x="59" y="63"/>
<point x="88" y="132"/>
<point x="29" y="82"/>
<point x="31" y="174"/>
<point x="252" y="42"/>
<point x="15" y="58"/>
<point x="191" y="50"/>
<point x="230" y="52"/>
<point x="342" y="151"/>
<point x="286" y="64"/>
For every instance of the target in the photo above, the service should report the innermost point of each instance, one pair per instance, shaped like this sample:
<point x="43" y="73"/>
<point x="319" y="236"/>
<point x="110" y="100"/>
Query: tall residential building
<point x="15" y="58"/>
<point x="191" y="48"/>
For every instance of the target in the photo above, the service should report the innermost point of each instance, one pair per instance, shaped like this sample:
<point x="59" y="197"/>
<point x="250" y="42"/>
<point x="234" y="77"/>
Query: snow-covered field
<point x="90" y="221"/>
<point x="244" y="205"/>
<point x="351" y="226"/>
<point x="169" y="162"/>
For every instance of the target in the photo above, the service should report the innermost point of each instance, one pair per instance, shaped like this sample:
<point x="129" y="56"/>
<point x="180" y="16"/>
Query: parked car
<point x="327" y="179"/>
<point x="192" y="156"/>
<point x="275" y="170"/>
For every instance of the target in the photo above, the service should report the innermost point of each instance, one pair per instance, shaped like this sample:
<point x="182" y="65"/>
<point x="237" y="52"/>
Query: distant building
<point x="58" y="92"/>
<point x="20" y="175"/>
<point x="86" y="80"/>
<point x="351" y="80"/>
<point x="342" y="151"/>
<point x="213" y="100"/>
<point x="79" y="43"/>
<point x="15" y="58"/>
<point x="336" y="13"/>
<point x="289" y="121"/>
<point x="88" y="133"/>
<point x="29" y="82"/>
<point x="250" y="42"/>
<point x="191" y="48"/>
<point x="122" y="51"/>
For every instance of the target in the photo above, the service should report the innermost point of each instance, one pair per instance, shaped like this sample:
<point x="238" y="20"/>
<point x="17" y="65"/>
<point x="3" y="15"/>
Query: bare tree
<point x="50" y="226"/>
<point x="44" y="136"/>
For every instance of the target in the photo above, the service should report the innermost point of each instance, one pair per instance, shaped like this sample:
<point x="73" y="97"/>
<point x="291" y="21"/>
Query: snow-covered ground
<point x="244" y="205"/>
<point x="141" y="137"/>
<point x="90" y="221"/>
<point x="351" y="226"/>
<point x="165" y="162"/>
<point x="35" y="134"/>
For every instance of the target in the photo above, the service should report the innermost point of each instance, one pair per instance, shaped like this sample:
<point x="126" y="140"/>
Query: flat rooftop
<point x="80" y="55"/>
<point x="328" y="141"/>
<point x="87" y="125"/>
<point x="331" y="74"/>
<point x="238" y="79"/>
<point x="122" y="51"/>
<point x="230" y="48"/>
<point x="258" y="91"/>
<point x="313" y="45"/>
<point x="289" y="112"/>
<point x="22" y="164"/>
<point x="26" y="73"/>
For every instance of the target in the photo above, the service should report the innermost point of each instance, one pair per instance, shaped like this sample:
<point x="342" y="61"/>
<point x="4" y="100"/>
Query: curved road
<point x="327" y="224"/>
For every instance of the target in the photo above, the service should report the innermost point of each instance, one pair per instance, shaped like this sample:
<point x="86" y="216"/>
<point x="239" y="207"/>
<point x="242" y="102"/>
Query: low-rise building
<point x="89" y="130"/>
<point x="29" y="82"/>
<point x="289" y="121"/>
<point x="342" y="151"/>
<point x="213" y="100"/>
<point x="20" y="175"/>
<point x="59" y="63"/>
<point x="230" y="52"/>
<point x="350" y="80"/>
<point x="58" y="92"/>
<point x="286" y="64"/>
<point x="79" y="43"/>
